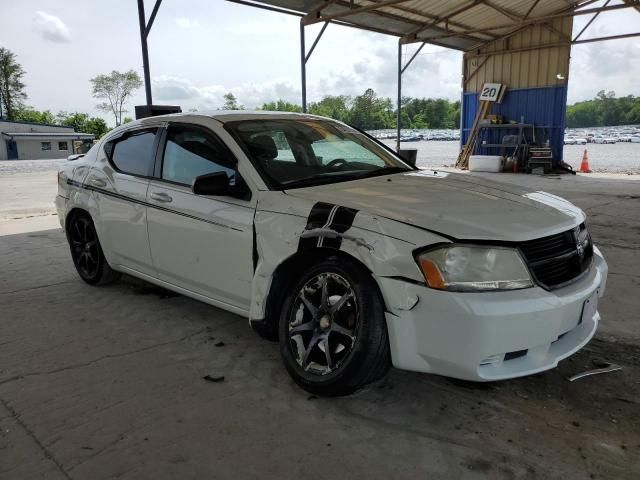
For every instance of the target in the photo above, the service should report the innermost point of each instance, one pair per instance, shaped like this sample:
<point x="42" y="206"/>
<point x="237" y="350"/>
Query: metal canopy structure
<point x="465" y="25"/>
<point x="458" y="24"/>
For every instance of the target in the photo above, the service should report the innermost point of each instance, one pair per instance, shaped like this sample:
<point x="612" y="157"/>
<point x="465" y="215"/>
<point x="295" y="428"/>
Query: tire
<point x="86" y="252"/>
<point x="335" y="306"/>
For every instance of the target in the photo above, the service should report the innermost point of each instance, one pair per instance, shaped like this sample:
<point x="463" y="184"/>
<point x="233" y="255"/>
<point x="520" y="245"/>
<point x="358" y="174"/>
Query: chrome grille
<point x="559" y="259"/>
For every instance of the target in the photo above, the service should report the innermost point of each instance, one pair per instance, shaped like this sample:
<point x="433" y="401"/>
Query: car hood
<point x="461" y="206"/>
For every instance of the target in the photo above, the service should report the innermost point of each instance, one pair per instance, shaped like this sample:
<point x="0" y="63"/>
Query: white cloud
<point x="51" y="27"/>
<point x="187" y="23"/>
<point x="210" y="97"/>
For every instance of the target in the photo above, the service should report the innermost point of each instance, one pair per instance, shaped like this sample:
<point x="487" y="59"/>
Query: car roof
<point x="236" y="115"/>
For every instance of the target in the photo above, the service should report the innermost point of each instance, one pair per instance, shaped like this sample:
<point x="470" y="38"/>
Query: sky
<point x="200" y="49"/>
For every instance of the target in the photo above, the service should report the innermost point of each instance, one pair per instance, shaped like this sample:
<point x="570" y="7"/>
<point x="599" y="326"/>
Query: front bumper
<point x="490" y="335"/>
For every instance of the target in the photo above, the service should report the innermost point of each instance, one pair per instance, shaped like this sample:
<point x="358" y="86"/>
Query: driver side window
<point x="190" y="152"/>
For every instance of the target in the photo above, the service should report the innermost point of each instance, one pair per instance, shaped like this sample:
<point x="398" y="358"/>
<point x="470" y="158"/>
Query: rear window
<point x="135" y="153"/>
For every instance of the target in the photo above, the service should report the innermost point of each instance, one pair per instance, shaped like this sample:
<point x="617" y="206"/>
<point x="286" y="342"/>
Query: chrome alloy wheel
<point x="323" y="323"/>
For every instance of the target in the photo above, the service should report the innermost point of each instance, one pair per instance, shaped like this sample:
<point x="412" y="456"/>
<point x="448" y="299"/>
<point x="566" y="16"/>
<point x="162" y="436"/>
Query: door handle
<point x="161" y="197"/>
<point x="98" y="182"/>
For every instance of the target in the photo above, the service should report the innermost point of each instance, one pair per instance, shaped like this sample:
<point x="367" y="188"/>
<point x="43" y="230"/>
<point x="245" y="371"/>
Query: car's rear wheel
<point x="332" y="331"/>
<point x="87" y="253"/>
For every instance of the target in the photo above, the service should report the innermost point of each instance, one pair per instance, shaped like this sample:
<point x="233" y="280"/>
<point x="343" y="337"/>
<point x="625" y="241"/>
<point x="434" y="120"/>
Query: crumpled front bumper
<point x="490" y="335"/>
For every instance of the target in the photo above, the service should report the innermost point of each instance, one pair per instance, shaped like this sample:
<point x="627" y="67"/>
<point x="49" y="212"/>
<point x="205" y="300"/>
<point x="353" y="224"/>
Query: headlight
<point x="465" y="268"/>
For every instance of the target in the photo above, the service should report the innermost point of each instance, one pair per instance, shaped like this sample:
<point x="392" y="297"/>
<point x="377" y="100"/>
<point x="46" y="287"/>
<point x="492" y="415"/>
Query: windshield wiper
<point x="324" y="178"/>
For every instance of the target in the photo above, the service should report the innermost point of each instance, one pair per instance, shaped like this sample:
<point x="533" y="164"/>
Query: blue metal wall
<point x="545" y="107"/>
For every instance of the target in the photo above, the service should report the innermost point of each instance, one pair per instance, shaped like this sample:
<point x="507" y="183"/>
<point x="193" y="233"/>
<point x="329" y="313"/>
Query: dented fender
<point x="284" y="229"/>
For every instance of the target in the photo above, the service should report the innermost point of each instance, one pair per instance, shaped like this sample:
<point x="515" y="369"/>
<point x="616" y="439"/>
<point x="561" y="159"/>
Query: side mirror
<point x="216" y="184"/>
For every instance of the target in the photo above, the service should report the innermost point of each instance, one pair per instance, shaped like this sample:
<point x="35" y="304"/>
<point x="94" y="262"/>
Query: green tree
<point x="76" y="120"/>
<point x="336" y="107"/>
<point x="28" y="114"/>
<point x="116" y="88"/>
<point x="97" y="126"/>
<point x="127" y="120"/>
<point x="604" y="110"/>
<point x="370" y="112"/>
<point x="282" y="106"/>
<point x="12" y="89"/>
<point x="231" y="102"/>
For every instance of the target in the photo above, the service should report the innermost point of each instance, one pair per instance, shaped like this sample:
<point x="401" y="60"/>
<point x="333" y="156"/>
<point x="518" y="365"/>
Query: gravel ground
<point x="8" y="167"/>
<point x="615" y="158"/>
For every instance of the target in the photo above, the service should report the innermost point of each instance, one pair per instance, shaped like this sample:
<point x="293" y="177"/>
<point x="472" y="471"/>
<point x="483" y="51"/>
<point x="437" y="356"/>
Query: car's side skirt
<point x="183" y="291"/>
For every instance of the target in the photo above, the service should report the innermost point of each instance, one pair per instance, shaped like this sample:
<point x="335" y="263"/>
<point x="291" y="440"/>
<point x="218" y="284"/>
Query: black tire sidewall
<point x="371" y="329"/>
<point x="100" y="271"/>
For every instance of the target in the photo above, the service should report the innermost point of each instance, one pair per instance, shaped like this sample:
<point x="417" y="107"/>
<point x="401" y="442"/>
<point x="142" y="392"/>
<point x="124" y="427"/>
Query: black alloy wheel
<point x="323" y="323"/>
<point x="86" y="252"/>
<point x="332" y="331"/>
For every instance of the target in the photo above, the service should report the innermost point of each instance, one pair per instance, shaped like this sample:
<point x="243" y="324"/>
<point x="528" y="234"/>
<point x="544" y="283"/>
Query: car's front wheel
<point x="87" y="253"/>
<point x="332" y="331"/>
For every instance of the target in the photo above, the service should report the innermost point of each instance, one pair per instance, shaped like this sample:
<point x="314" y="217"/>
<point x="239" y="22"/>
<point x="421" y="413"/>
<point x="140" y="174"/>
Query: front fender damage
<point x="285" y="233"/>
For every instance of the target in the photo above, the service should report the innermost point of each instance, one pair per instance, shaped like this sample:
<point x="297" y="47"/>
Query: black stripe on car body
<point x="327" y="216"/>
<point x="147" y="204"/>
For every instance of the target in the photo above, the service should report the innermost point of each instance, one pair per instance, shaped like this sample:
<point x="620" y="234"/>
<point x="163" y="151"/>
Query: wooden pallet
<point x="470" y="146"/>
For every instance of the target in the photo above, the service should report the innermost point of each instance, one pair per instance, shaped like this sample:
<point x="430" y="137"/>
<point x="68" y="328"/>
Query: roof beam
<point x="316" y="11"/>
<point x="507" y="13"/>
<point x="412" y="36"/>
<point x="591" y="20"/>
<point x="531" y="21"/>
<point x="352" y="11"/>
<point x="610" y="37"/>
<point x="534" y="5"/>
<point x="552" y="29"/>
<point x="403" y="8"/>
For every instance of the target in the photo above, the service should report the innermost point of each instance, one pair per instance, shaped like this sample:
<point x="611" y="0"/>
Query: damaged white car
<point x="325" y="240"/>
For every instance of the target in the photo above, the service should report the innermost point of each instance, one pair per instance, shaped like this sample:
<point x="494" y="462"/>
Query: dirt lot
<point x="100" y="383"/>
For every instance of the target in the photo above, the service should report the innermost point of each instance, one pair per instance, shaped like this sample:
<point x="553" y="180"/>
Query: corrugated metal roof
<point x="459" y="24"/>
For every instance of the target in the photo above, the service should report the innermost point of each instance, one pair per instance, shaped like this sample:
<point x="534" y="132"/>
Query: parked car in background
<point x="574" y="140"/>
<point x="635" y="138"/>
<point x="328" y="242"/>
<point x="603" y="139"/>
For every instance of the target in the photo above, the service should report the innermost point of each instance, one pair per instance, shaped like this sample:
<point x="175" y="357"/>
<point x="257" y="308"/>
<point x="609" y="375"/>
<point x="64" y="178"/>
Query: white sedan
<point x="603" y="139"/>
<point x="326" y="241"/>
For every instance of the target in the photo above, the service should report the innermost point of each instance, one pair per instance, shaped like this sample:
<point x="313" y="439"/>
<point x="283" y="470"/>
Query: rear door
<point x="119" y="185"/>
<point x="201" y="243"/>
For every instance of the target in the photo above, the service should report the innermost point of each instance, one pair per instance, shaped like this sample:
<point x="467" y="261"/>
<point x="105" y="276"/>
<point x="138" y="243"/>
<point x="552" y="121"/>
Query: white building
<point x="30" y="141"/>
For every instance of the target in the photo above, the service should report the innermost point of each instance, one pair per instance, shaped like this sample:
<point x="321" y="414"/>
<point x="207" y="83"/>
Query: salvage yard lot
<point x="108" y="382"/>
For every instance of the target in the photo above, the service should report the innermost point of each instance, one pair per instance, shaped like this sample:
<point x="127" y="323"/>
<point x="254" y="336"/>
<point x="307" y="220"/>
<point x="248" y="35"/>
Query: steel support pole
<point x="303" y="68"/>
<point x="145" y="52"/>
<point x="399" y="115"/>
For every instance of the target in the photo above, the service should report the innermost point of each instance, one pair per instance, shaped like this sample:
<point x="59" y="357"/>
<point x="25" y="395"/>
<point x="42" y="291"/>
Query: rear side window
<point x="191" y="152"/>
<point x="135" y="153"/>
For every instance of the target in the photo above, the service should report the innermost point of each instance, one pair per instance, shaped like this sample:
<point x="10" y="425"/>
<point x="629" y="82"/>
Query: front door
<point x="203" y="244"/>
<point x="12" y="150"/>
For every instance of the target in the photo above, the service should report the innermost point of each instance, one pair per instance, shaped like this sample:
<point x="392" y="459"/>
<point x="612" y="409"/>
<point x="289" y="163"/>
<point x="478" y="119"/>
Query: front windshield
<point x="306" y="152"/>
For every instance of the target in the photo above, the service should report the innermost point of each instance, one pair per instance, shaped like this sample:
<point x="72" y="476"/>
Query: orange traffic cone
<point x="584" y="166"/>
